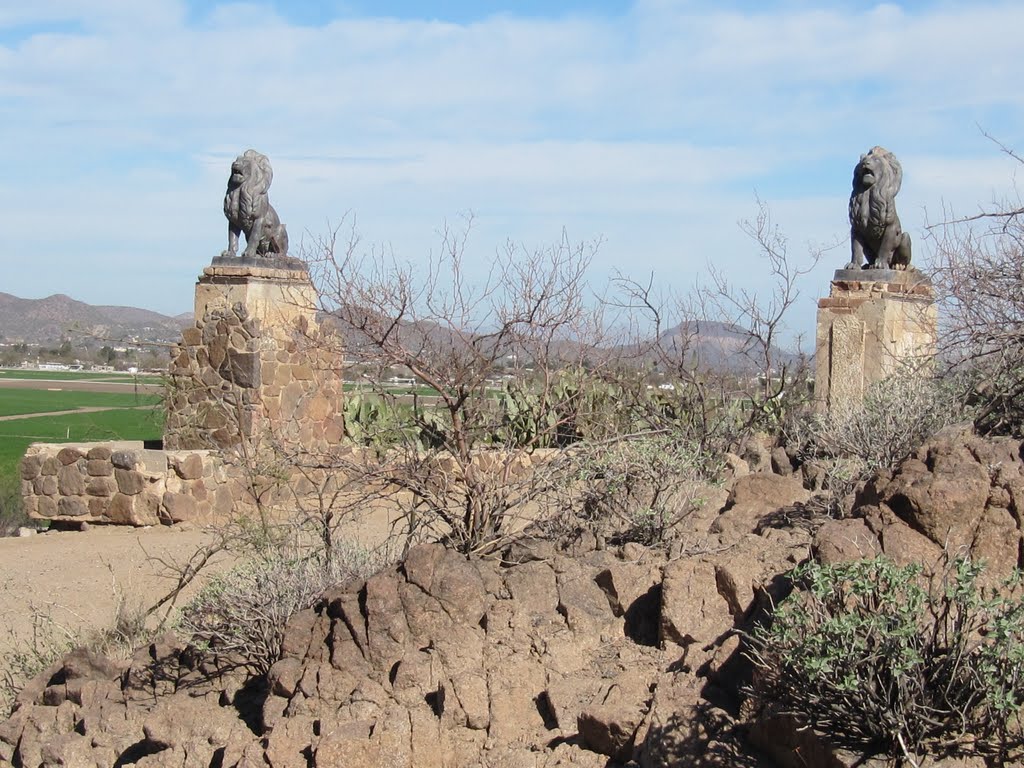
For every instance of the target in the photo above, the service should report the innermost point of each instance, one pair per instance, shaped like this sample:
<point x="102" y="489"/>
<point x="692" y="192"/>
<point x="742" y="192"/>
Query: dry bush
<point x="637" y="488"/>
<point x="855" y="439"/>
<point x="979" y="271"/>
<point x="451" y="456"/>
<point x="240" y="616"/>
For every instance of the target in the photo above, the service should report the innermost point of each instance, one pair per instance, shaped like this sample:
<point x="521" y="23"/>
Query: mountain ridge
<point x="59" y="316"/>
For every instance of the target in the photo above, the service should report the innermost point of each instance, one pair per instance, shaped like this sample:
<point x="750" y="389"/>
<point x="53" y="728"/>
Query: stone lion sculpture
<point x="248" y="209"/>
<point x="877" y="239"/>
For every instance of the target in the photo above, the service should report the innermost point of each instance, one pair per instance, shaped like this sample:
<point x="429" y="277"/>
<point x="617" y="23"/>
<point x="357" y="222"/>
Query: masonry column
<point x="873" y="323"/>
<point x="255" y="369"/>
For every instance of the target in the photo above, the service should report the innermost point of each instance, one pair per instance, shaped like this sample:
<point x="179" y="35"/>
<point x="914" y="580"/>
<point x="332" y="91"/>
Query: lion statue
<point x="877" y="240"/>
<point x="248" y="209"/>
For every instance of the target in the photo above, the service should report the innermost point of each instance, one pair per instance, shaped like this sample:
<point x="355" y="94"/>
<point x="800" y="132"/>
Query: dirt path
<point x="119" y="387"/>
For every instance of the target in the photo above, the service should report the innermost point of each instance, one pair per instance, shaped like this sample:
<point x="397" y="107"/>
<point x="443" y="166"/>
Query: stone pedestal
<point x="254" y="371"/>
<point x="873" y="323"/>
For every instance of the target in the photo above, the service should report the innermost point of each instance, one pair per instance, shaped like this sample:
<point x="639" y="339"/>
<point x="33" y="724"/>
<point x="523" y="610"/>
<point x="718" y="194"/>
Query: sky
<point x="654" y="126"/>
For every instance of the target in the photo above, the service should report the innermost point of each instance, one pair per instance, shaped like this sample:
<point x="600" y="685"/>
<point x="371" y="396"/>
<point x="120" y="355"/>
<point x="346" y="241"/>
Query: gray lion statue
<point x="877" y="240"/>
<point x="248" y="209"/>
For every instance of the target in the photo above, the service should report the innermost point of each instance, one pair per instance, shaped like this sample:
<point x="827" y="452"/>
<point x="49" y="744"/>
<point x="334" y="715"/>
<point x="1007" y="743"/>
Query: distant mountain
<point x="42" y="321"/>
<point x="705" y="344"/>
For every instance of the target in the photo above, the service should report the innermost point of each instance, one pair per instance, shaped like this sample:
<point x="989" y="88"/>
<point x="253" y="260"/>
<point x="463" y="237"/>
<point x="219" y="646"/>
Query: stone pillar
<point x="255" y="370"/>
<point x="873" y="323"/>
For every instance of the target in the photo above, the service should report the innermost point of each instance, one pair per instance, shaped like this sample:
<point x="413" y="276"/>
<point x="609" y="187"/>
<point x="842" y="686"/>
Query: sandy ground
<point x="68" y="584"/>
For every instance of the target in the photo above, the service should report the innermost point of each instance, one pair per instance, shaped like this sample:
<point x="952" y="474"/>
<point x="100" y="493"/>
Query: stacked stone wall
<point x="124" y="483"/>
<point x="232" y="379"/>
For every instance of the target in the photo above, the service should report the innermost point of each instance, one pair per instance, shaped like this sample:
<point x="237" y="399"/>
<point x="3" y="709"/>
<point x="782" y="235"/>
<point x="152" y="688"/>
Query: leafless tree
<point x="747" y="384"/>
<point x="456" y="330"/>
<point x="979" y="273"/>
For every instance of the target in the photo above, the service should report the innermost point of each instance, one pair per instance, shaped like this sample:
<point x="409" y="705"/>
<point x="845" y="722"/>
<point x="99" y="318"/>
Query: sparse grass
<point x="12" y="514"/>
<point x="49" y="641"/>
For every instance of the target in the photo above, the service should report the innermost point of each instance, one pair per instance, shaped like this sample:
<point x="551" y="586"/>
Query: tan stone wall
<point x="124" y="483"/>
<point x="253" y="371"/>
<point x="869" y="329"/>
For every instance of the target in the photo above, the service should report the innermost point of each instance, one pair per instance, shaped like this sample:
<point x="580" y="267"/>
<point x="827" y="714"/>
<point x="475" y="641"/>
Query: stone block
<point x="179" y="507"/>
<point x="129" y="481"/>
<point x="50" y="466"/>
<point x="98" y="506"/>
<point x="197" y="490"/>
<point x="45" y="485"/>
<point x="141" y="509"/>
<point x="188" y="467"/>
<point x="72" y="506"/>
<point x="30" y="505"/>
<point x="101" y="486"/>
<point x="302" y="372"/>
<point x="99" y="467"/>
<point x="218" y="349"/>
<point x="153" y="461"/>
<point x="124" y="459"/>
<point x="241" y="368"/>
<point x="70" y="481"/>
<point x="30" y="466"/>
<point x="69" y="455"/>
<point x="46" y="506"/>
<point x="318" y="409"/>
<point x="192" y="337"/>
<point x="99" y="453"/>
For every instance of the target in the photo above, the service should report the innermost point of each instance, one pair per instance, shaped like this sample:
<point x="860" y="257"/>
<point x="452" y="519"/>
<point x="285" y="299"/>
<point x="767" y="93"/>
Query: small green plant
<point x="370" y="420"/>
<point x="882" y="660"/>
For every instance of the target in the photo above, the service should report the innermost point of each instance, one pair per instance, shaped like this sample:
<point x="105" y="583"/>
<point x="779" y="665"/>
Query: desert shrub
<point x="871" y="654"/>
<point x="895" y="417"/>
<point x="29" y="656"/>
<point x="12" y="514"/>
<point x="638" y="488"/>
<point x="240" y="615"/>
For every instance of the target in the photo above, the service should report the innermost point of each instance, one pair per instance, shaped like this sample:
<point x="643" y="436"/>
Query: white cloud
<point x="653" y="129"/>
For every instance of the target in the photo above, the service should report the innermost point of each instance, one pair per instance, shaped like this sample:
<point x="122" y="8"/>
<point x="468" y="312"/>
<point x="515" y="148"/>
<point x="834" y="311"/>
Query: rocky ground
<point x="576" y="654"/>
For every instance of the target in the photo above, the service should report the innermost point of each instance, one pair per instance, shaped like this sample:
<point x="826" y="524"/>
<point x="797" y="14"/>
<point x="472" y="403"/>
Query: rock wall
<point x="254" y="367"/>
<point x="549" y="656"/>
<point x="124" y="483"/>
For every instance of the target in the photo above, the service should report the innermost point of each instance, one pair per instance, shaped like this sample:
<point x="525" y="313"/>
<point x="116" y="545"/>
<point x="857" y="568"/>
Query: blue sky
<point x="653" y="125"/>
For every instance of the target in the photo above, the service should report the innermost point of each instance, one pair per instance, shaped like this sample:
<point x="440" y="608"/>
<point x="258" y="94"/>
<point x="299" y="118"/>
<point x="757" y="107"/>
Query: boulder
<point x="754" y="497"/>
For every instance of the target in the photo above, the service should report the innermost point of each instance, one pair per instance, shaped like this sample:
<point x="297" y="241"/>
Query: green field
<point x="15" y="402"/>
<point x="127" y="378"/>
<point x="122" y="424"/>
